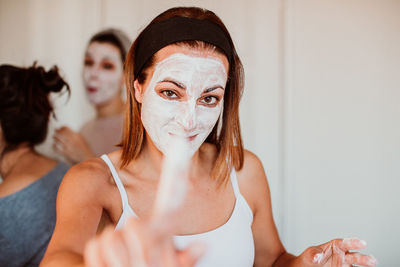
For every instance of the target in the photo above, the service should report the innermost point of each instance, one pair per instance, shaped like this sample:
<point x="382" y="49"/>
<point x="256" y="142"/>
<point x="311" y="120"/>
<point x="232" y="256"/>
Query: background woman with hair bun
<point x="30" y="180"/>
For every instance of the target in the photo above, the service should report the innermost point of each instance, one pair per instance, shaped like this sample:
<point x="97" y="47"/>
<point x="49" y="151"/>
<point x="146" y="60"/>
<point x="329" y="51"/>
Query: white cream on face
<point x="187" y="115"/>
<point x="102" y="72"/>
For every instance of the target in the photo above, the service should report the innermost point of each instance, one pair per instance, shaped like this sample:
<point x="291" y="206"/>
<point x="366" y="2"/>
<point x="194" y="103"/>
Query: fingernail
<point x="318" y="258"/>
<point x="197" y="249"/>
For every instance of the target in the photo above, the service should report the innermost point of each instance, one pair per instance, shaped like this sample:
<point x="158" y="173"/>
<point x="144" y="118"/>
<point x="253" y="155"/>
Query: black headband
<point x="177" y="29"/>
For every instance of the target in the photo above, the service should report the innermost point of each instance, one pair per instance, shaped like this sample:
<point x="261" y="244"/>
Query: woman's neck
<point x="12" y="158"/>
<point x="114" y="107"/>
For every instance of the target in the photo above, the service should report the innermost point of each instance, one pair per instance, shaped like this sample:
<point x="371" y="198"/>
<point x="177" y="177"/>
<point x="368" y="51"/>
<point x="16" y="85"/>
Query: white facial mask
<point x="187" y="117"/>
<point x="102" y="72"/>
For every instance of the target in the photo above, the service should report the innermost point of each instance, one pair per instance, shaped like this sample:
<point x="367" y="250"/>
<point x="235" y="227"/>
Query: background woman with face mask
<point x="30" y="180"/>
<point x="103" y="81"/>
<point x="184" y="81"/>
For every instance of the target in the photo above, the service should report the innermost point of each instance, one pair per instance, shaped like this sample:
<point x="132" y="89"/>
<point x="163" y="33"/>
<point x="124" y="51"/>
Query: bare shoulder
<point x="252" y="171"/>
<point x="252" y="180"/>
<point x="86" y="178"/>
<point x="252" y="164"/>
<point x="88" y="171"/>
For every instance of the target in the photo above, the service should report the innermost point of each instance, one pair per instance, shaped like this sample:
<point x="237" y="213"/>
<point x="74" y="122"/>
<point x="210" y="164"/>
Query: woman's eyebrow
<point x="213" y="88"/>
<point x="108" y="58"/>
<point x="104" y="58"/>
<point x="169" y="80"/>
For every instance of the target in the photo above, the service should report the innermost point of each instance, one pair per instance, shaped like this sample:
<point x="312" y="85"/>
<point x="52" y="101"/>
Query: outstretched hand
<point x="337" y="253"/>
<point x="149" y="242"/>
<point x="140" y="244"/>
<point x="71" y="145"/>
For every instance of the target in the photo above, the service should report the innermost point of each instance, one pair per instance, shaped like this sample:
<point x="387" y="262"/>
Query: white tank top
<point x="230" y="245"/>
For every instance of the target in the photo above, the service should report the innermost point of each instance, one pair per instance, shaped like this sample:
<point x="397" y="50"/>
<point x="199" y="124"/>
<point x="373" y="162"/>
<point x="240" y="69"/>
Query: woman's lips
<point x="189" y="138"/>
<point x="92" y="90"/>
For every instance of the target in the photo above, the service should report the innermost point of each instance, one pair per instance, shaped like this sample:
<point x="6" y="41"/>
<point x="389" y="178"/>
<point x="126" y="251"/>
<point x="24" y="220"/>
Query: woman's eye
<point x="169" y="94"/>
<point x="88" y="62"/>
<point x="209" y="100"/>
<point x="108" y="66"/>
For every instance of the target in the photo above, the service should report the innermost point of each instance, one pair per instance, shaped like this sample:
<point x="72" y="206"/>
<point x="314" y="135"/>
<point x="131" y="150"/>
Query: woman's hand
<point x="336" y="253"/>
<point x="71" y="145"/>
<point x="139" y="244"/>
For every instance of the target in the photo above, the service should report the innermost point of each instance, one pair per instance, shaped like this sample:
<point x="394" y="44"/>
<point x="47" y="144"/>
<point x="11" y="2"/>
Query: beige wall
<point x="319" y="108"/>
<point x="342" y="156"/>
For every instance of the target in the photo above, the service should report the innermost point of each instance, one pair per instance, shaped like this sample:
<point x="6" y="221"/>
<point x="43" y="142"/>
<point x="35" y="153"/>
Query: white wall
<point x="319" y="108"/>
<point x="343" y="123"/>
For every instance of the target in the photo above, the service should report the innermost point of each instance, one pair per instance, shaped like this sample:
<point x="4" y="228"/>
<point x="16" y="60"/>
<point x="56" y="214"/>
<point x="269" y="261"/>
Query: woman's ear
<point x="138" y="91"/>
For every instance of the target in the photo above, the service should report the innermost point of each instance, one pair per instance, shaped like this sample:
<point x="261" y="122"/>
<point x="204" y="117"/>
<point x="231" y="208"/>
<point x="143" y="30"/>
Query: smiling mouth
<point x="189" y="138"/>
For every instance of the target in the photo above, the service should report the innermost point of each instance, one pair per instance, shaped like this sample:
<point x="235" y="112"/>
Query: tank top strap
<point x="239" y="197"/>
<point x="120" y="186"/>
<point x="235" y="183"/>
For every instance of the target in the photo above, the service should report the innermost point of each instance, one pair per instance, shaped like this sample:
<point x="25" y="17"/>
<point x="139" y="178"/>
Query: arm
<point x="79" y="209"/>
<point x="269" y="250"/>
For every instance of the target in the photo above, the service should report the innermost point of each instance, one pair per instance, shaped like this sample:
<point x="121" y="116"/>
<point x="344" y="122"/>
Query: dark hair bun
<point x="48" y="81"/>
<point x="24" y="103"/>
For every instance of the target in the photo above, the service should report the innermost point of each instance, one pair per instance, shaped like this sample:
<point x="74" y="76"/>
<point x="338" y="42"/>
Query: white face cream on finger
<point x="184" y="98"/>
<point x="102" y="72"/>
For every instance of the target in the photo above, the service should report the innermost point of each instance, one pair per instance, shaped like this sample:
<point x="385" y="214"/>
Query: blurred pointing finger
<point x="92" y="253"/>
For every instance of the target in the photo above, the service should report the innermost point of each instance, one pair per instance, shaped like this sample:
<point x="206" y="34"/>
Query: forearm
<point x="63" y="259"/>
<point x="287" y="260"/>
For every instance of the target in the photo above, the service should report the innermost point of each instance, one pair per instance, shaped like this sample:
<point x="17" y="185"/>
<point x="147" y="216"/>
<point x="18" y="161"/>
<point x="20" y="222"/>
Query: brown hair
<point x="25" y="107"/>
<point x="227" y="139"/>
<point x="114" y="37"/>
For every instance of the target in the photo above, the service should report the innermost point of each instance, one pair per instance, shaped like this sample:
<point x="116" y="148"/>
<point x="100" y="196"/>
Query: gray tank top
<point x="27" y="220"/>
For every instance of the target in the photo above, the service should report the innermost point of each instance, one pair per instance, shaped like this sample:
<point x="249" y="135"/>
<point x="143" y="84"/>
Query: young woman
<point x="30" y="180"/>
<point x="103" y="80"/>
<point x="184" y="79"/>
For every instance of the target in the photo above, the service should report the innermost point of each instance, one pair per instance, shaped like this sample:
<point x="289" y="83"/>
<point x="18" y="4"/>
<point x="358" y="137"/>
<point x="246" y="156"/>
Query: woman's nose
<point x="187" y="117"/>
<point x="93" y="72"/>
